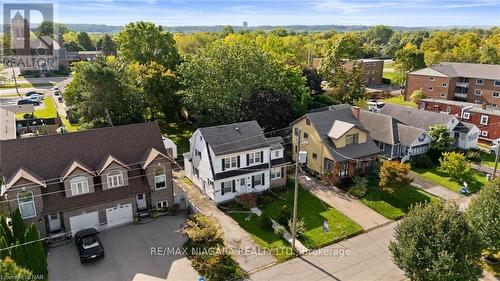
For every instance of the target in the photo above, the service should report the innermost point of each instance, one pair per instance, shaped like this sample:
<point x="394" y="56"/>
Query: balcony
<point x="461" y="96"/>
<point x="462" y="84"/>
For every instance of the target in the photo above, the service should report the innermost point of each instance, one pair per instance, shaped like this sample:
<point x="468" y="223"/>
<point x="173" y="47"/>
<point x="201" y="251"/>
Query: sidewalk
<point x="339" y="199"/>
<point x="235" y="237"/>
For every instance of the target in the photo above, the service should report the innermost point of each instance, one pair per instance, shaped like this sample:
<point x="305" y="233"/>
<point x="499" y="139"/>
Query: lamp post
<point x="299" y="160"/>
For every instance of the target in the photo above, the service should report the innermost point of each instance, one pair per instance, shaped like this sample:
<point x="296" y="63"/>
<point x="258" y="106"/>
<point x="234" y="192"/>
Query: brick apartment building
<point x="372" y="68"/>
<point x="485" y="117"/>
<point x="467" y="82"/>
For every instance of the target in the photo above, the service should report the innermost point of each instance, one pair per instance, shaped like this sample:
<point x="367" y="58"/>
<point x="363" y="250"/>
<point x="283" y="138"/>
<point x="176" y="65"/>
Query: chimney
<point x="355" y="111"/>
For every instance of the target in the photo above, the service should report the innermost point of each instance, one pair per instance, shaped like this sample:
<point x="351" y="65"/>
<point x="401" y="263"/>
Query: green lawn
<point x="180" y="134"/>
<point x="27" y="85"/>
<point x="487" y="159"/>
<point x="394" y="205"/>
<point x="475" y="183"/>
<point x="50" y="110"/>
<point x="314" y="212"/>
<point x="280" y="248"/>
<point x="400" y="100"/>
<point x="70" y="127"/>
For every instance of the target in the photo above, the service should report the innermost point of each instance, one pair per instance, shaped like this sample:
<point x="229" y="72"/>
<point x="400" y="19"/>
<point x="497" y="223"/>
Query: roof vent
<point x="237" y="129"/>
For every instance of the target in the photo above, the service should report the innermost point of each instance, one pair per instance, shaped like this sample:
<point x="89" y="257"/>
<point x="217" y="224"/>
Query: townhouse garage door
<point x="114" y="216"/>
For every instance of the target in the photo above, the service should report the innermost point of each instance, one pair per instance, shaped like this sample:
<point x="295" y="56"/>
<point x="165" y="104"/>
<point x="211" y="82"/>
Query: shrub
<point x="9" y="269"/>
<point x="266" y="222"/>
<point x="265" y="199"/>
<point x="421" y="161"/>
<point x="284" y="215"/>
<point x="300" y="226"/>
<point x="345" y="183"/>
<point x="473" y="155"/>
<point x="279" y="230"/>
<point x="357" y="191"/>
<point x="203" y="230"/>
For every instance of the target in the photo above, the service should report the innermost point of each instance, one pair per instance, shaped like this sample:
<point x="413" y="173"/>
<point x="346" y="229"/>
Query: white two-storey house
<point x="235" y="159"/>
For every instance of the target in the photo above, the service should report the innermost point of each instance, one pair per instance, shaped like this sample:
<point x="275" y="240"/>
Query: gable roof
<point x="458" y="69"/>
<point x="150" y="156"/>
<point x="107" y="161"/>
<point x="408" y="134"/>
<point x="234" y="137"/>
<point x="339" y="128"/>
<point x="75" y="164"/>
<point x="380" y="126"/>
<point x="415" y="117"/>
<point x="25" y="174"/>
<point x="275" y="142"/>
<point x="323" y="119"/>
<point x="128" y="143"/>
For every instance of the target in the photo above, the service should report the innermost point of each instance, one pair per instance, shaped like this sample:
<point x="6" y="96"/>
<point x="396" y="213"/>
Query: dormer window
<point x="351" y="139"/>
<point x="160" y="179"/>
<point x="79" y="185"/>
<point x="26" y="204"/>
<point x="115" y="178"/>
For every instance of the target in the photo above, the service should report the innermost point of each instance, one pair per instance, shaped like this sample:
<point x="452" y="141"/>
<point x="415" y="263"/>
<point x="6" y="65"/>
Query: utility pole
<point x="497" y="150"/>
<point x="296" y="191"/>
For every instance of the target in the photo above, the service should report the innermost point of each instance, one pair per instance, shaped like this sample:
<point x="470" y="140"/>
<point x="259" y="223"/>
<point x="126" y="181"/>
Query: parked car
<point x="30" y="93"/>
<point x="89" y="245"/>
<point x="493" y="147"/>
<point x="36" y="96"/>
<point x="28" y="101"/>
<point x="57" y="92"/>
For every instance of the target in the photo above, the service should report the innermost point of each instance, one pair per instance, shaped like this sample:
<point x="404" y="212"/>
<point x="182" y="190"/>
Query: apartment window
<point x="315" y="156"/>
<point x="381" y="145"/>
<point x="276" y="173"/>
<point x="444" y="85"/>
<point x="479" y="82"/>
<point x="227" y="187"/>
<point x="496" y="94"/>
<point x="344" y="169"/>
<point x="79" y="185"/>
<point x="160" y="178"/>
<point x="115" y="178"/>
<point x="443" y="95"/>
<point x="328" y="165"/>
<point x="484" y="120"/>
<point x="484" y="133"/>
<point x="308" y="122"/>
<point x="497" y="83"/>
<point x="161" y="204"/>
<point x="351" y="139"/>
<point x="431" y="89"/>
<point x="477" y="92"/>
<point x="26" y="204"/>
<point x="230" y="162"/>
<point x="431" y="78"/>
<point x="254" y="158"/>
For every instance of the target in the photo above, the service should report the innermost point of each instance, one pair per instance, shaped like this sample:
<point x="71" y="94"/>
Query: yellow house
<point x="337" y="144"/>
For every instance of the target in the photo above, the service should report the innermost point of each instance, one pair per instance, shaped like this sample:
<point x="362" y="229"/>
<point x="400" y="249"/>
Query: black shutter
<point x="223" y="164"/>
<point x="253" y="185"/>
<point x="222" y="188"/>
<point x="263" y="177"/>
<point x="282" y="172"/>
<point x="234" y="186"/>
<point x="238" y="161"/>
<point x="262" y="157"/>
<point x="248" y="158"/>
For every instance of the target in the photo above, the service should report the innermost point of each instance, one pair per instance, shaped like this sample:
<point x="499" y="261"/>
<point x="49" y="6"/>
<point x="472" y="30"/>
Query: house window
<point x="160" y="178"/>
<point x="497" y="83"/>
<point x="306" y="136"/>
<point x="328" y="165"/>
<point x="26" y="204"/>
<point x="466" y="115"/>
<point x="315" y="156"/>
<point x="276" y="173"/>
<point x="351" y="139"/>
<point x="257" y="180"/>
<point x="443" y="95"/>
<point x="431" y="78"/>
<point x="308" y="122"/>
<point x="296" y="131"/>
<point x="344" y="169"/>
<point x="227" y="187"/>
<point x="484" y="120"/>
<point x="243" y="181"/>
<point x="79" y="185"/>
<point x="115" y="178"/>
<point x="161" y="204"/>
<point x="431" y="89"/>
<point x="496" y="95"/>
<point x="444" y="85"/>
<point x="230" y="162"/>
<point x="381" y="145"/>
<point x="484" y="133"/>
<point x="477" y="92"/>
<point x="479" y="82"/>
<point x="254" y="158"/>
<point x="277" y="153"/>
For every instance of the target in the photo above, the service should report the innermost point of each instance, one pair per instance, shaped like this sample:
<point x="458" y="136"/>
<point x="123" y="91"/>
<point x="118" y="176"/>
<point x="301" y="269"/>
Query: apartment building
<point x="372" y="69"/>
<point x="466" y="82"/>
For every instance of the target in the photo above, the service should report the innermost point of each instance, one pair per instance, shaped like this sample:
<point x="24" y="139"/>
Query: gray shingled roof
<point x="415" y="117"/>
<point x="323" y="120"/>
<point x="234" y="137"/>
<point x="408" y="134"/>
<point x="380" y="126"/>
<point x="473" y="70"/>
<point x="275" y="142"/>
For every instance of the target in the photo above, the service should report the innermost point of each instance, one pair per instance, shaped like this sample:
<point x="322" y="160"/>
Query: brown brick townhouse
<point x="98" y="178"/>
<point x="468" y="82"/>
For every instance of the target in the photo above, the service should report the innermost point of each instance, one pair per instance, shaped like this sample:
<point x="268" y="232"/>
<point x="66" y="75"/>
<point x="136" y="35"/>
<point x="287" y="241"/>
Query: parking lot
<point x="128" y="255"/>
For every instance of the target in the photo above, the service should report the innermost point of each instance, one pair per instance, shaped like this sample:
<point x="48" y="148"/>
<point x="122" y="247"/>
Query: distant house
<point x="465" y="135"/>
<point x="337" y="144"/>
<point x="393" y="138"/>
<point x="231" y="160"/>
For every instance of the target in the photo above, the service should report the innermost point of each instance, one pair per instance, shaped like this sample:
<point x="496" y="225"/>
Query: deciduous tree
<point x="455" y="165"/>
<point x="106" y="45"/>
<point x="394" y="175"/>
<point x="441" y="140"/>
<point x="271" y="109"/>
<point x="84" y="40"/>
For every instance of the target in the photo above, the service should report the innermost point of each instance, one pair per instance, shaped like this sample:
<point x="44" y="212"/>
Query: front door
<point x="141" y="202"/>
<point x="54" y="222"/>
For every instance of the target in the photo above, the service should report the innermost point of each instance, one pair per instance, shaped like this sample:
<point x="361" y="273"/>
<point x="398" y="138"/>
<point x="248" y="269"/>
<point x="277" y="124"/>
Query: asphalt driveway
<point x="128" y="255"/>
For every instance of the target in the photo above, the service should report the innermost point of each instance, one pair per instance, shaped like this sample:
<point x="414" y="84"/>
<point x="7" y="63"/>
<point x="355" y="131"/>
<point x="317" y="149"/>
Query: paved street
<point x="339" y="199"/>
<point x="128" y="255"/>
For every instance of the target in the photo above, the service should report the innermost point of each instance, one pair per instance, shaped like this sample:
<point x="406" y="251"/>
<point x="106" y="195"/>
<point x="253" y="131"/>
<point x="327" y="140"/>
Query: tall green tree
<point x="455" y="165"/>
<point x="107" y="46"/>
<point x="435" y="242"/>
<point x="7" y="233"/>
<point x="145" y="42"/>
<point x="48" y="28"/>
<point x="84" y="40"/>
<point x="441" y="139"/>
<point x="408" y="59"/>
<point x="272" y="110"/>
<point x="379" y="34"/>
<point x="37" y="261"/>
<point x="18" y="226"/>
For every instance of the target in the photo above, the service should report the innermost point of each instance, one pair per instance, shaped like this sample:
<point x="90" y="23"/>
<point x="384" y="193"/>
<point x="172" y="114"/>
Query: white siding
<point x="239" y="188"/>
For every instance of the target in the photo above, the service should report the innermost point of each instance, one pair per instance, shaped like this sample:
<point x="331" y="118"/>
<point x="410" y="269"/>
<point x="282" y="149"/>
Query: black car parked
<point x="33" y="93"/>
<point x="28" y="101"/>
<point x="89" y="245"/>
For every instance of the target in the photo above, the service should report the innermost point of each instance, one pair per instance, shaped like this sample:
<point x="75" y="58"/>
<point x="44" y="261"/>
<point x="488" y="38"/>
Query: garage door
<point x="119" y="215"/>
<point x="88" y="220"/>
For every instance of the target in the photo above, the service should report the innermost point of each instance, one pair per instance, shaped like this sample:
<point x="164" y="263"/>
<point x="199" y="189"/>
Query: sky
<point x="281" y="12"/>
